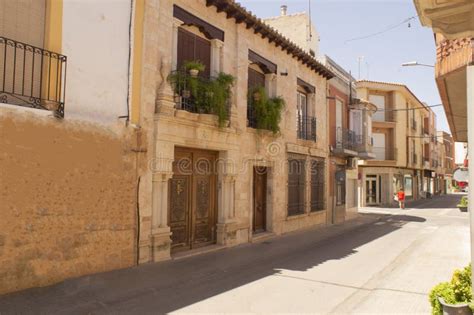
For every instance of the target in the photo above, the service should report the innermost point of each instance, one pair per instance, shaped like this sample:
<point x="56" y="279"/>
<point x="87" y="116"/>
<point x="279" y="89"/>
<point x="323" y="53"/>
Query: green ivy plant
<point x="210" y="96"/>
<point x="267" y="110"/>
<point x="457" y="291"/>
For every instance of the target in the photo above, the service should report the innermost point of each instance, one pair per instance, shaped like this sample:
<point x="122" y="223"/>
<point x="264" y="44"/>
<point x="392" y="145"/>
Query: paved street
<point x="383" y="262"/>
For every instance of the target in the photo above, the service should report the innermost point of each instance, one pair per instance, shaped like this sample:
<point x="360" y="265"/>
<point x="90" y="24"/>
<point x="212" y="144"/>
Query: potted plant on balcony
<point x="194" y="67"/>
<point x="267" y="110"/>
<point x="463" y="203"/>
<point x="453" y="297"/>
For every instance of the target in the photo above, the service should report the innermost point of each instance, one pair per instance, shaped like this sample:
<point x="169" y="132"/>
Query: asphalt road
<point x="384" y="262"/>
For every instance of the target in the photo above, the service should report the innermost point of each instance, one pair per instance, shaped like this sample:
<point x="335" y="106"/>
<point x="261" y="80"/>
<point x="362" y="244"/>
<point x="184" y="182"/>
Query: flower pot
<point x="256" y="96"/>
<point x="194" y="72"/>
<point x="455" y="309"/>
<point x="462" y="208"/>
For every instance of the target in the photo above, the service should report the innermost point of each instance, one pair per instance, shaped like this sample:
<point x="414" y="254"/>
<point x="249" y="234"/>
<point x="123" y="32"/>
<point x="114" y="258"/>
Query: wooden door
<point x="192" y="199"/>
<point x="260" y="199"/>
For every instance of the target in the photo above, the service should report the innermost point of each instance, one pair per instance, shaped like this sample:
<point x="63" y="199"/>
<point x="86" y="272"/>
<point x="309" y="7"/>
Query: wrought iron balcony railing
<point x="306" y="128"/>
<point x="32" y="77"/>
<point x="197" y="94"/>
<point x="346" y="139"/>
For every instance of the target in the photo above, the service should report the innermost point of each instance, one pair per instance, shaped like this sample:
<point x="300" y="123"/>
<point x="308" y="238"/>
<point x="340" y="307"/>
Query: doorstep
<point x="197" y="251"/>
<point x="263" y="236"/>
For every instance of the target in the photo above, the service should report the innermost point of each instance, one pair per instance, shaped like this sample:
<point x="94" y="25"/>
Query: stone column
<point x="270" y="83"/>
<point x="160" y="231"/>
<point x="174" y="57"/>
<point x="216" y="57"/>
<point x="226" y="204"/>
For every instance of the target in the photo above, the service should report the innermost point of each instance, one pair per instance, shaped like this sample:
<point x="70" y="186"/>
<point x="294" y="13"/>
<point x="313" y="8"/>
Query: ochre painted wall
<point x="67" y="200"/>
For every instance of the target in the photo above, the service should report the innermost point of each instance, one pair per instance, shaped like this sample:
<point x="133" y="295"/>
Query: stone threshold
<point x="261" y="237"/>
<point x="197" y="251"/>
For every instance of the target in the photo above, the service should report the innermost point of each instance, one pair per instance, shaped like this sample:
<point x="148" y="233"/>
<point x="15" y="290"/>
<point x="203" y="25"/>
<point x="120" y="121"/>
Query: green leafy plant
<point x="463" y="202"/>
<point x="193" y="65"/>
<point x="209" y="96"/>
<point x="267" y="110"/>
<point x="457" y="291"/>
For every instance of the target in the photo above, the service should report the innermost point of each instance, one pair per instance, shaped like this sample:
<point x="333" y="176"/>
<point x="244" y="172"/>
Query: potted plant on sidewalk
<point x="453" y="297"/>
<point x="462" y="205"/>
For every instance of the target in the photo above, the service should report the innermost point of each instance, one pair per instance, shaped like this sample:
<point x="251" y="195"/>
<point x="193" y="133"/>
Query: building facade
<point x="404" y="142"/>
<point x="350" y="139"/>
<point x="69" y="150"/>
<point x="229" y="180"/>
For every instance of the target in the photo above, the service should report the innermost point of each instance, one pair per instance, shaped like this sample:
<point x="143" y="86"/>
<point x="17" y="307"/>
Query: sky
<point x="337" y="21"/>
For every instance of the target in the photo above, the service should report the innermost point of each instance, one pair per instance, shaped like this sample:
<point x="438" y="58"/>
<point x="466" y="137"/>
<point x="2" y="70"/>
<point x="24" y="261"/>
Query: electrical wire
<point x="389" y="28"/>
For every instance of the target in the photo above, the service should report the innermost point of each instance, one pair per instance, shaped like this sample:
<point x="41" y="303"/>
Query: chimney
<point x="283" y="10"/>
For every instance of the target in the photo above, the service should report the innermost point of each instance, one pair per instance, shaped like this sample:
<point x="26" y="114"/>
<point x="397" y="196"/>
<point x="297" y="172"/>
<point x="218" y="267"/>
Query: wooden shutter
<point x="185" y="47"/>
<point x="202" y="53"/>
<point x="193" y="48"/>
<point x="255" y="79"/>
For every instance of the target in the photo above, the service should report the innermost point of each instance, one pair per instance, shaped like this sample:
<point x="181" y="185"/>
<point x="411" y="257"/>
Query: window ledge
<point x="296" y="216"/>
<point x="317" y="212"/>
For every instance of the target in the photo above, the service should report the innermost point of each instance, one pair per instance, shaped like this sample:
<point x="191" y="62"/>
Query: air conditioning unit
<point x="352" y="163"/>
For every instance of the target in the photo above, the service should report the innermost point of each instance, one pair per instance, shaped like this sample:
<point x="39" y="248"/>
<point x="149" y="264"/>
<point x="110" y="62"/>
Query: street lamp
<point x="416" y="63"/>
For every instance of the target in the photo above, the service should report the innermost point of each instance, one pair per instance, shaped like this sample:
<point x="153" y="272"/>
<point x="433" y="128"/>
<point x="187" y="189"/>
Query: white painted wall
<point x="96" y="43"/>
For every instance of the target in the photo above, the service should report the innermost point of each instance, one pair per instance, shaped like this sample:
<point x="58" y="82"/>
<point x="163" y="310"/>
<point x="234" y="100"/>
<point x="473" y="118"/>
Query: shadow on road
<point x="169" y="286"/>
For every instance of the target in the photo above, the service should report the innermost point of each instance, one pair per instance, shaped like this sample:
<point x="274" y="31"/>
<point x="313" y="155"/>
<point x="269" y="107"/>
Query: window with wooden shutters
<point x="191" y="47"/>
<point x="255" y="79"/>
<point x="296" y="186"/>
<point x="317" y="185"/>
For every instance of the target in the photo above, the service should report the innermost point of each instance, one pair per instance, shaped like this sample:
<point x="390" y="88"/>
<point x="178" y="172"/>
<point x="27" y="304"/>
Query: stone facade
<point x="239" y="147"/>
<point x="67" y="200"/>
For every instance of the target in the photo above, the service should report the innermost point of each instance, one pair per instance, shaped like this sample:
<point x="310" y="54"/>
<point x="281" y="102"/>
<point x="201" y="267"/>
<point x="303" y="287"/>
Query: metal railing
<point x="346" y="139"/>
<point x="31" y="76"/>
<point x="194" y="93"/>
<point x="306" y="128"/>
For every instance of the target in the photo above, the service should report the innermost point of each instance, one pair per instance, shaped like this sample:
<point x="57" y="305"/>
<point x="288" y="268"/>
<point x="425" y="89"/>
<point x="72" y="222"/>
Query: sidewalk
<point x="153" y="283"/>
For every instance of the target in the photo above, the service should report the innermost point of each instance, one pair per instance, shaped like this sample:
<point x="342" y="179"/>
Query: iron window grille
<point x="306" y="127"/>
<point x="318" y="200"/>
<point x="296" y="186"/>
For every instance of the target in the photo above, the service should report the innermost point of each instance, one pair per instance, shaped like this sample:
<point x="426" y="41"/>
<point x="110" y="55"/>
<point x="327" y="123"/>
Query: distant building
<point x="298" y="28"/>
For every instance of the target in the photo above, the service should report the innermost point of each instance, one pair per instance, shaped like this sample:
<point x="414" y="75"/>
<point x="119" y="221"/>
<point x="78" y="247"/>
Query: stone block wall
<point x="67" y="200"/>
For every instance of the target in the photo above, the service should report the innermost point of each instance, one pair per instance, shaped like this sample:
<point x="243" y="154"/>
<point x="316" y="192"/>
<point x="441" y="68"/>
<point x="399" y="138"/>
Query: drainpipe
<point x="470" y="152"/>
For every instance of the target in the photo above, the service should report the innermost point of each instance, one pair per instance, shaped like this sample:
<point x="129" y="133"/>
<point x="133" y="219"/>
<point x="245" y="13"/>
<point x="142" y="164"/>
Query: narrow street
<point x="386" y="261"/>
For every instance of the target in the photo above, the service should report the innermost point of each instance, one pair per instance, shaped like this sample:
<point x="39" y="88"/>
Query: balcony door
<point x="379" y="145"/>
<point x="192" y="47"/>
<point x="379" y="101"/>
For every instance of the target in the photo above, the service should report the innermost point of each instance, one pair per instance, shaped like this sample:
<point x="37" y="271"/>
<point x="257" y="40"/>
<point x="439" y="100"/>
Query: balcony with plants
<point x="196" y="93"/>
<point x="264" y="112"/>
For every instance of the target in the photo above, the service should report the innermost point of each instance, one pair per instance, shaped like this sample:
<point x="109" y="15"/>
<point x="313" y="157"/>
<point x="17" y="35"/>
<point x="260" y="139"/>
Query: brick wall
<point x="67" y="201"/>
